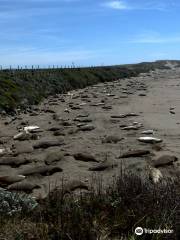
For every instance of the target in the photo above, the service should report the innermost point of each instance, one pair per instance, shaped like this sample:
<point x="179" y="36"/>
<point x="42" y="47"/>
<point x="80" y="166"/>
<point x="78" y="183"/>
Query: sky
<point x="88" y="32"/>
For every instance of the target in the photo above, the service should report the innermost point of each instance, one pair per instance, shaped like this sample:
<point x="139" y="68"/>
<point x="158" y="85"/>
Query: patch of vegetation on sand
<point x="101" y="213"/>
<point x="23" y="87"/>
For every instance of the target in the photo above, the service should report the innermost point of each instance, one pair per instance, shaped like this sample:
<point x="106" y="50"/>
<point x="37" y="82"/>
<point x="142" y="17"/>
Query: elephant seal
<point x="23" y="186"/>
<point x="164" y="160"/>
<point x="6" y="180"/>
<point x="43" y="170"/>
<point x="14" y="161"/>
<point x="85" y="157"/>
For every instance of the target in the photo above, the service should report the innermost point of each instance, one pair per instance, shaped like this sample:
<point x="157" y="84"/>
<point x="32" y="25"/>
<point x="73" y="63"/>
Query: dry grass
<point x="101" y="214"/>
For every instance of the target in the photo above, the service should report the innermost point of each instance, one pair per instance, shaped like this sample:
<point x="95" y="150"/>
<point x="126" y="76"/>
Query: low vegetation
<point x="104" y="214"/>
<point x="23" y="87"/>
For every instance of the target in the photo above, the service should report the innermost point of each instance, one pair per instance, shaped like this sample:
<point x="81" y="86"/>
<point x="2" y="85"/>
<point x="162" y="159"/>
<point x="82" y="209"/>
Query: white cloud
<point x="135" y="5"/>
<point x="154" y="38"/>
<point x="119" y="5"/>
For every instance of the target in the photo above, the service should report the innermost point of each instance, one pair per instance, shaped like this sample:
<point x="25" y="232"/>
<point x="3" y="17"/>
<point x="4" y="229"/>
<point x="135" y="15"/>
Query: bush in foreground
<point x="103" y="214"/>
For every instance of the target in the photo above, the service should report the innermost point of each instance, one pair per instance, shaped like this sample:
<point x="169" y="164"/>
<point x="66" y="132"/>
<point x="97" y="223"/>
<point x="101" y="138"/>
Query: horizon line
<point x="68" y="66"/>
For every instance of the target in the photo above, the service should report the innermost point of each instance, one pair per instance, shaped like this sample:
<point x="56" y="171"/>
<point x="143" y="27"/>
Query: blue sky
<point x="88" y="32"/>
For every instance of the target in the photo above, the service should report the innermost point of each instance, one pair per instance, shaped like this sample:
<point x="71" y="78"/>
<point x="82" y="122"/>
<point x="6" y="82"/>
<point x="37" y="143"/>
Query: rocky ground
<point x="130" y="124"/>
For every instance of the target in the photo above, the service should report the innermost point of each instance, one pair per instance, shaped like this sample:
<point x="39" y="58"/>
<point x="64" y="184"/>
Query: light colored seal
<point x="149" y="139"/>
<point x="155" y="175"/>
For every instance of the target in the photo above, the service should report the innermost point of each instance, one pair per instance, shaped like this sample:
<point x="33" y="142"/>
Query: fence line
<point x="38" y="67"/>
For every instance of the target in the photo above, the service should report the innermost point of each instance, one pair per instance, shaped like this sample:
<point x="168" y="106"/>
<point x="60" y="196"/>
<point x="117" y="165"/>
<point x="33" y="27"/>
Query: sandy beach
<point x="86" y="132"/>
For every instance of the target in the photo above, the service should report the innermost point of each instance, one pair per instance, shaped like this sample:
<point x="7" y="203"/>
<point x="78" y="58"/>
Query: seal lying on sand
<point x="85" y="157"/>
<point x="111" y="139"/>
<point x="149" y="139"/>
<point x="23" y="186"/>
<point x="103" y="166"/>
<point x="135" y="153"/>
<point x="164" y="160"/>
<point x="22" y="136"/>
<point x="42" y="170"/>
<point x="6" y="180"/>
<point x="14" y="161"/>
<point x="53" y="157"/>
<point x="48" y="143"/>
